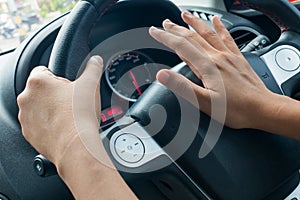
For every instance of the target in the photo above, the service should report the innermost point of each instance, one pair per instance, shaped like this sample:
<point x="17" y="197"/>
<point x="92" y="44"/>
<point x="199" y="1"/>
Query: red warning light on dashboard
<point x="114" y="111"/>
<point x="103" y="117"/>
<point x="110" y="113"/>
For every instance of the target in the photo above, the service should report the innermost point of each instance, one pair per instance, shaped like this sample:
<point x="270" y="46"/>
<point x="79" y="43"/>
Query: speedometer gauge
<point x="129" y="75"/>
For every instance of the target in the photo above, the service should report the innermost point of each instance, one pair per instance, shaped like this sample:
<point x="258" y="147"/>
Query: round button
<point x="129" y="148"/>
<point x="38" y="166"/>
<point x="2" y="197"/>
<point x="288" y="59"/>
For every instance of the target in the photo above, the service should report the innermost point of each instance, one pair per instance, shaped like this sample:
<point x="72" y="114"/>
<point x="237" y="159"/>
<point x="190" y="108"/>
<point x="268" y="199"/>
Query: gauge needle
<point x="135" y="83"/>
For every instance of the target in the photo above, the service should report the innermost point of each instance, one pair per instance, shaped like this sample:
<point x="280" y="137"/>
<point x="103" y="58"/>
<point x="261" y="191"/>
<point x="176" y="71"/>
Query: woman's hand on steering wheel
<point x="47" y="114"/>
<point x="217" y="61"/>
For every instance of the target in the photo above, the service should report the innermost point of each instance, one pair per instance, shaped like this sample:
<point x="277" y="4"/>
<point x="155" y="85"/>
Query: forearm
<point x="88" y="178"/>
<point x="280" y="115"/>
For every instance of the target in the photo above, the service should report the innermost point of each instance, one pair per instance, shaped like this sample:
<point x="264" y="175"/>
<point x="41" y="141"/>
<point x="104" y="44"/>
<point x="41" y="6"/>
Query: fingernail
<point x="168" y="21"/>
<point x="187" y="14"/>
<point x="98" y="59"/>
<point x="216" y="18"/>
<point x="153" y="28"/>
<point x="163" y="77"/>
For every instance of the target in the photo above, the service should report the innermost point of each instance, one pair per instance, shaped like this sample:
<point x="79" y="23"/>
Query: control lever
<point x="257" y="43"/>
<point x="43" y="167"/>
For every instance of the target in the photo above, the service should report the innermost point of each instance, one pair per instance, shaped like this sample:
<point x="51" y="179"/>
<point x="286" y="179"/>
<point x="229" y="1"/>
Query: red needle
<point x="135" y="83"/>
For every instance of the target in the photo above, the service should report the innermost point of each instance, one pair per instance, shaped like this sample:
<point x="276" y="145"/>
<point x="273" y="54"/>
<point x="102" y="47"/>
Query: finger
<point x="197" y="73"/>
<point x="22" y="99"/>
<point x="182" y="31"/>
<point x="98" y="102"/>
<point x="38" y="77"/>
<point x="38" y="71"/>
<point x="179" y="84"/>
<point x="225" y="35"/>
<point x="185" y="50"/>
<point x="203" y="30"/>
<point x="40" y="74"/>
<point x="86" y="97"/>
<point x="192" y="36"/>
<point x="92" y="72"/>
<point x="42" y="70"/>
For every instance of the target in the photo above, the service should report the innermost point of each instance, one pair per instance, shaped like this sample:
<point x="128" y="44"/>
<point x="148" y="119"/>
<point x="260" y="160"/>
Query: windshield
<point x="20" y="18"/>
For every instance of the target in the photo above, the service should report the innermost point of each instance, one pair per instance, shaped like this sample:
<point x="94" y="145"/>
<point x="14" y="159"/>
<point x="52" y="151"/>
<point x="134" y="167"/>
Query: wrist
<point x="80" y="154"/>
<point x="89" y="177"/>
<point x="73" y="150"/>
<point x="84" y="142"/>
<point x="269" y="111"/>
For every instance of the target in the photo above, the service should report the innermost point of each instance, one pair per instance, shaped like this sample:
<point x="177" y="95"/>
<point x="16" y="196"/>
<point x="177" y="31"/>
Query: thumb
<point x="86" y="97"/>
<point x="195" y="94"/>
<point x="92" y="72"/>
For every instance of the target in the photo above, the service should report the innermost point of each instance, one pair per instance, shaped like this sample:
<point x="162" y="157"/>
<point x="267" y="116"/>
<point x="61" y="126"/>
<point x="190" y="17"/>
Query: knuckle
<point x="227" y="37"/>
<point x="21" y="99"/>
<point x="20" y="117"/>
<point x="195" y="21"/>
<point x="208" y="33"/>
<point x="181" y="86"/>
<point x="35" y="81"/>
<point x="223" y="37"/>
<point x="39" y="69"/>
<point x="219" y="57"/>
<point x="190" y="35"/>
<point x="180" y="44"/>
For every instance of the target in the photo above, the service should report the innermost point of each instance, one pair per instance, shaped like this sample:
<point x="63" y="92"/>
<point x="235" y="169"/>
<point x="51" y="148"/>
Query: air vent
<point x="202" y="15"/>
<point x="243" y="35"/>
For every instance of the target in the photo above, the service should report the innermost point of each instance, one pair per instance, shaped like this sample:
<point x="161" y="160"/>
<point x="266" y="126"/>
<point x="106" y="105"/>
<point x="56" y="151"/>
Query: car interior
<point x="163" y="147"/>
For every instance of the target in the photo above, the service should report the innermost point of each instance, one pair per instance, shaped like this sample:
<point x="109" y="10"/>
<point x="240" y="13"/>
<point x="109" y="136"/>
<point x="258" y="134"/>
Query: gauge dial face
<point x="129" y="75"/>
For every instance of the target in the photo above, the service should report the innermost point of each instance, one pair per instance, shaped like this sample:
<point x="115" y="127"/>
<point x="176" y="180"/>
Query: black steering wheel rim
<point x="71" y="47"/>
<point x="72" y="40"/>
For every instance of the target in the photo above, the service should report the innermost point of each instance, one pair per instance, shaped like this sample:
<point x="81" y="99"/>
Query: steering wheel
<point x="245" y="164"/>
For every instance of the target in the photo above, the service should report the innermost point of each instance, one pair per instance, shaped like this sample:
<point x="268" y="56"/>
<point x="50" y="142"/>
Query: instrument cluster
<point x="126" y="77"/>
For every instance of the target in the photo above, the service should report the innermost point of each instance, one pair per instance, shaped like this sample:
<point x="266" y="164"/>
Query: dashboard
<point x="131" y="57"/>
<point x="131" y="63"/>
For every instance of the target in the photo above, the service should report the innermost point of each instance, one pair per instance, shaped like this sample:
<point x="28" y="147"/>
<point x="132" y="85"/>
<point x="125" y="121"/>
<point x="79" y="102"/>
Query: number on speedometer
<point x="129" y="75"/>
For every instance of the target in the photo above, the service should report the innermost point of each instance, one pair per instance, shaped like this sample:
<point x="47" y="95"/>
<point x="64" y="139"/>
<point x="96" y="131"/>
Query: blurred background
<point x="20" y="18"/>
